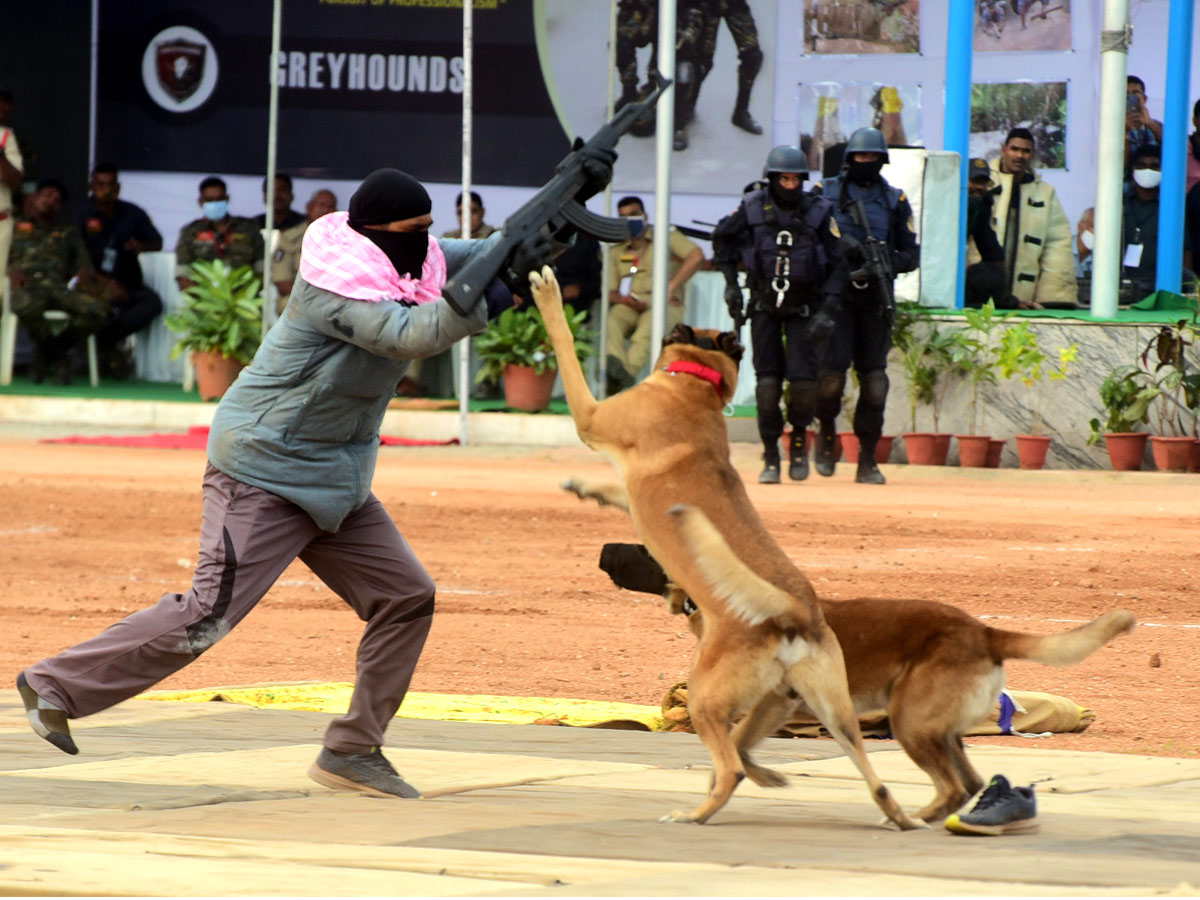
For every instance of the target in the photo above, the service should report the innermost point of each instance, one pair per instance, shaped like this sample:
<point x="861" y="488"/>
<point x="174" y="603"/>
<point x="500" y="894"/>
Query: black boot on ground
<point x="868" y="472"/>
<point x="770" y="472"/>
<point x="824" y="457"/>
<point x="743" y="120"/>
<point x="797" y="459"/>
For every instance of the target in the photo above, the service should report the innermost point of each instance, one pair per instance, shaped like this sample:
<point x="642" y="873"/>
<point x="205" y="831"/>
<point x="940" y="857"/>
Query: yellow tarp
<point x="334" y="697"/>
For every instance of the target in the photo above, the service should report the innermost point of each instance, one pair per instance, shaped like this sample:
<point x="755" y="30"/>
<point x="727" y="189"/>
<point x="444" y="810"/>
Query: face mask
<point x="787" y="198"/>
<point x="405" y="249"/>
<point x="1087" y="239"/>
<point x="862" y="172"/>
<point x="637" y="224"/>
<point x="1147" y="178"/>
<point x="216" y="210"/>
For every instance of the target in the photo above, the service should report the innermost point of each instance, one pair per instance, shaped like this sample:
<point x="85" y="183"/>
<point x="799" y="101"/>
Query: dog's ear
<point x="728" y="343"/>
<point x="680" y="334"/>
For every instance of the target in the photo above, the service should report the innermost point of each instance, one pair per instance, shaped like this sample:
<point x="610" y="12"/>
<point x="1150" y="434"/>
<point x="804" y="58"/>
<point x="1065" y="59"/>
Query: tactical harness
<point x="779" y="253"/>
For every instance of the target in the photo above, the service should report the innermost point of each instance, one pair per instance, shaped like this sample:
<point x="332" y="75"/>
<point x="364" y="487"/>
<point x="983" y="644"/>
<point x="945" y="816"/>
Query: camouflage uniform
<point x="637" y="26"/>
<point x="239" y="243"/>
<point x="699" y="22"/>
<point x="49" y="256"/>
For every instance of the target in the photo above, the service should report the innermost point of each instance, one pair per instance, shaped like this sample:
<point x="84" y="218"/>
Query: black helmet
<point x="867" y="140"/>
<point x="786" y="158"/>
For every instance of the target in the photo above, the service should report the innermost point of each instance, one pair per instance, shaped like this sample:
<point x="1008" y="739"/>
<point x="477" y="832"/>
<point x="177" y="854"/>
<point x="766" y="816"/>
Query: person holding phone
<point x="1140" y="129"/>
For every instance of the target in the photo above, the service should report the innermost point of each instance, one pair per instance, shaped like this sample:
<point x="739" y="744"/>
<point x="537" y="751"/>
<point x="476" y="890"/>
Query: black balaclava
<point x="863" y="172"/>
<point x="389" y="195"/>
<point x="785" y="199"/>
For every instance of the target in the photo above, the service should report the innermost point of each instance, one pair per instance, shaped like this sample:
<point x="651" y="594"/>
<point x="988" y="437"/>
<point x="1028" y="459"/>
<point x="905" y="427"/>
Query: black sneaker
<point x="369" y="773"/>
<point x="824" y="458"/>
<point x="743" y="120"/>
<point x="48" y="720"/>
<point x="770" y="472"/>
<point x="680" y="141"/>
<point x="868" y="472"/>
<point x="1001" y="809"/>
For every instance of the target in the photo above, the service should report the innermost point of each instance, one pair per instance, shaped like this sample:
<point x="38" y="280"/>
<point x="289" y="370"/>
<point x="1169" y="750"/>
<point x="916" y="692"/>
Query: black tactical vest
<point x="799" y="240"/>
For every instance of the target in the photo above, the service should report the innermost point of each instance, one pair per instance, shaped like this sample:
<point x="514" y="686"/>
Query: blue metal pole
<point x="956" y="132"/>
<point x="1174" y="147"/>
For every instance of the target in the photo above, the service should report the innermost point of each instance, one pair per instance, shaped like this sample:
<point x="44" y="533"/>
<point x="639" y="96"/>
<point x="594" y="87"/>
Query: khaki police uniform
<point x="12" y="152"/>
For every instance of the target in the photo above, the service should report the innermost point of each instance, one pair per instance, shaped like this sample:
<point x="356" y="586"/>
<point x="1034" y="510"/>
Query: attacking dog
<point x="934" y="669"/>
<point x="667" y="437"/>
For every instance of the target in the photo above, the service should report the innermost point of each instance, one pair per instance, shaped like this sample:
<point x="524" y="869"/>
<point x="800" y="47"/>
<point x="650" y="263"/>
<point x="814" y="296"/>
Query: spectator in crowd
<point x="217" y="235"/>
<point x="631" y="272"/>
<point x="479" y="228"/>
<point x="1139" y="229"/>
<point x="285" y="261"/>
<point x="115" y="232"/>
<point x="11" y="172"/>
<point x="50" y="270"/>
<point x="985" y="257"/>
<point x="1140" y="128"/>
<point x="1193" y="154"/>
<point x="578" y="269"/>
<point x="285" y="217"/>
<point x="1032" y="227"/>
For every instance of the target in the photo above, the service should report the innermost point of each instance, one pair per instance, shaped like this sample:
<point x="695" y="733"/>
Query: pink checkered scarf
<point x="336" y="258"/>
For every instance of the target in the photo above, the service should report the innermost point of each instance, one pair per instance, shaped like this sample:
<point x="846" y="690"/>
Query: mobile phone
<point x="1131" y="103"/>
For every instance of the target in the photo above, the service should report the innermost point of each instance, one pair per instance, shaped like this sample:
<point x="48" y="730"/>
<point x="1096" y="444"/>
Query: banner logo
<point x="179" y="68"/>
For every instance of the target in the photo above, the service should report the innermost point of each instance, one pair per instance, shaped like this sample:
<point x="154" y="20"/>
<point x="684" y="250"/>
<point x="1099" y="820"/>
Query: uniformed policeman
<point x="217" y="235"/>
<point x="787" y="240"/>
<point x="50" y="269"/>
<point x="863" y="335"/>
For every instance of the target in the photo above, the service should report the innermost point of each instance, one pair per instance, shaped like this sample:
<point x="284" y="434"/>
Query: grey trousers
<point x="247" y="538"/>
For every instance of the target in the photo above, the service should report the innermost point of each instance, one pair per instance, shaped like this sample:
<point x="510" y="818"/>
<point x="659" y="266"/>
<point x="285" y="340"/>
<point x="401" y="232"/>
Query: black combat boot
<point x="868" y="472"/>
<point x="797" y="457"/>
<point x="826" y="459"/>
<point x="770" y="472"/>
<point x="741" y="109"/>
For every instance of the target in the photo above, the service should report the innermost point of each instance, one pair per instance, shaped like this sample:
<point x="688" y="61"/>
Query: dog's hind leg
<point x="603" y="494"/>
<point x="768" y="714"/>
<point x="819" y="677"/>
<point x="930" y="748"/>
<point x="967" y="773"/>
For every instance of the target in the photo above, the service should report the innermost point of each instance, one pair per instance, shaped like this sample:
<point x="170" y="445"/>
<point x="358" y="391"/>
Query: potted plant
<point x="924" y="357"/>
<point x="1173" y="395"/>
<point x="516" y="346"/>
<point x="976" y="354"/>
<point x="1126" y="394"/>
<point x="1022" y="357"/>
<point x="220" y="323"/>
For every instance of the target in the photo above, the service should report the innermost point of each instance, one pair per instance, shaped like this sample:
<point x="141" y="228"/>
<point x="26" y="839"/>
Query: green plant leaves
<point x="222" y="312"/>
<point x="517" y="337"/>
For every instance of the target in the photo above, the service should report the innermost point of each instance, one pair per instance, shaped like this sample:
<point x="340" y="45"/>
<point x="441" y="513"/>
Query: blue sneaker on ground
<point x="1002" y="809"/>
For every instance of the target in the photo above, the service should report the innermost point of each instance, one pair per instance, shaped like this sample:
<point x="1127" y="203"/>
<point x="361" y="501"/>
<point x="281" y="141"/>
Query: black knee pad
<point x="830" y="385"/>
<point x="768" y="392"/>
<point x="751" y="60"/>
<point x="873" y="388"/>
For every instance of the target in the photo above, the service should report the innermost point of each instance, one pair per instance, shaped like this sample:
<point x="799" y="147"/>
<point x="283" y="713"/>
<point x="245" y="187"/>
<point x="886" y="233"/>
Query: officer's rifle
<point x="552" y="209"/>
<point x="877" y="263"/>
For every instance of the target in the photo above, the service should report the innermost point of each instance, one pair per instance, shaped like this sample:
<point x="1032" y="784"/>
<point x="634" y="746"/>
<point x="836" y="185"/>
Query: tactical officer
<point x="872" y="216"/>
<point x="217" y="235"/>
<point x="787" y="240"/>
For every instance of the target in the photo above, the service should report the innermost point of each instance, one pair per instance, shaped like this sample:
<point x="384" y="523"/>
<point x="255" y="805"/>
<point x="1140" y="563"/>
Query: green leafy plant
<point x="976" y="352"/>
<point x="517" y="337"/>
<point x="1176" y="399"/>
<point x="1126" y="394"/>
<point x="1021" y="356"/>
<point x="222" y="312"/>
<point x="924" y="357"/>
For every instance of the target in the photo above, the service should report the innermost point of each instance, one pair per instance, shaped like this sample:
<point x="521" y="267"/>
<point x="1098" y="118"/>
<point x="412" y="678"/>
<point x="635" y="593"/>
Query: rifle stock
<point x="552" y="208"/>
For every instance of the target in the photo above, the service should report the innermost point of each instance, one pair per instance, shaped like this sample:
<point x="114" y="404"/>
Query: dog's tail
<point x="1066" y="648"/>
<point x="744" y="593"/>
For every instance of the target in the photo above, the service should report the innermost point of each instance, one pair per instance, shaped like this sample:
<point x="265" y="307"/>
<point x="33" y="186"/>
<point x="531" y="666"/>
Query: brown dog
<point x="933" y="668"/>
<point x="667" y="437"/>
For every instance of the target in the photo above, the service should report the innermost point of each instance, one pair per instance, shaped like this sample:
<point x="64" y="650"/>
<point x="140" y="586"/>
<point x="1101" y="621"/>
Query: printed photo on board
<point x="1022" y="25"/>
<point x="1040" y="107"/>
<point x="862" y="26"/>
<point x="828" y="111"/>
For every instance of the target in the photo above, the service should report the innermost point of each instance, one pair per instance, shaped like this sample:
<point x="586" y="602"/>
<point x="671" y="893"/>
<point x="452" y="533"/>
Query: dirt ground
<point x="94" y="533"/>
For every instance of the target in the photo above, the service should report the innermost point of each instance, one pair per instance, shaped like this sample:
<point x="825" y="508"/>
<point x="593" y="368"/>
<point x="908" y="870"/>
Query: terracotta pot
<point x="926" y="448"/>
<point x="214" y="373"/>
<point x="1032" y="449"/>
<point x="973" y="450"/>
<point x="1126" y="449"/>
<point x="1171" y="454"/>
<point x="995" y="451"/>
<point x="850" y="447"/>
<point x="1194" y="465"/>
<point x="526" y="391"/>
<point x="883" y="450"/>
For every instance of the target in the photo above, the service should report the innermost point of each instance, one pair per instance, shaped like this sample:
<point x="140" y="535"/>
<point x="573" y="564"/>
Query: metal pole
<point x="605" y="276"/>
<point x="1174" y="148"/>
<point x="664" y="137"/>
<point x="1115" y="38"/>
<point x="268" y="310"/>
<point x="956" y="130"/>
<point x="92" y="91"/>
<point x="464" y="221"/>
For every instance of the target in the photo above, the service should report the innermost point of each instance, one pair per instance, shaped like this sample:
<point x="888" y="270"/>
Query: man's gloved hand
<point x="498" y="298"/>
<point x="597" y="165"/>
<point x="852" y="251"/>
<point x="733" y="301"/>
<point x="530" y="255"/>
<point x="823" y="324"/>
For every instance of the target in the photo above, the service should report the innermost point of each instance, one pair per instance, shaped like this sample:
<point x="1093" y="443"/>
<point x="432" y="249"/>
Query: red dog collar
<point x="709" y="374"/>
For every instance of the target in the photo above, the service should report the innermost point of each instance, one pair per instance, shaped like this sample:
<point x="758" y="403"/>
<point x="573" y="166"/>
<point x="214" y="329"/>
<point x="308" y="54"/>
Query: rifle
<point x="552" y="209"/>
<point x="877" y="263"/>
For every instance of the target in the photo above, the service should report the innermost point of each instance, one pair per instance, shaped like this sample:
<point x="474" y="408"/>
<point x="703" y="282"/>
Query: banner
<point x="183" y="86"/>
